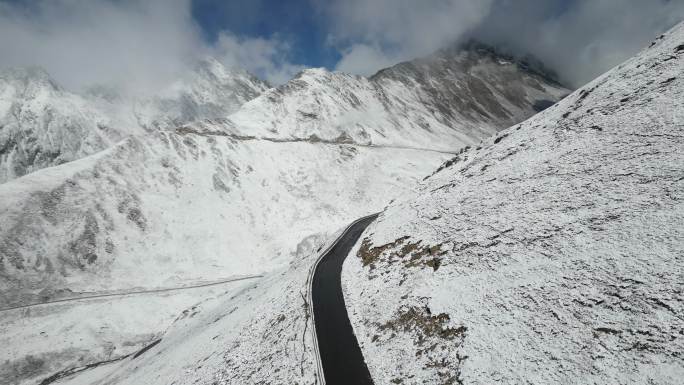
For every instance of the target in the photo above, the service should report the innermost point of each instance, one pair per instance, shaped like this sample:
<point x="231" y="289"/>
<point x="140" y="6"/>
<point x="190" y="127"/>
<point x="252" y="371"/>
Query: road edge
<point x="309" y="284"/>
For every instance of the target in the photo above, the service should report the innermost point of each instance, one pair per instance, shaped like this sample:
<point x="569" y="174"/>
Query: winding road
<point x="338" y="350"/>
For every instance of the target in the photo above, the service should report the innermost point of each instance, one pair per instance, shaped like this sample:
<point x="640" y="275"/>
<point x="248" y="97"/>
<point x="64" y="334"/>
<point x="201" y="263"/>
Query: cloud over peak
<point x="579" y="39"/>
<point x="138" y="46"/>
<point x="142" y="45"/>
<point x="376" y="33"/>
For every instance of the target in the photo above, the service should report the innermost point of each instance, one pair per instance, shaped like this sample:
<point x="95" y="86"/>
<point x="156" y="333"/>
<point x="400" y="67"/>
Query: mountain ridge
<point x="166" y="203"/>
<point x="551" y="254"/>
<point x="383" y="109"/>
<point x="42" y="124"/>
<point x="445" y="103"/>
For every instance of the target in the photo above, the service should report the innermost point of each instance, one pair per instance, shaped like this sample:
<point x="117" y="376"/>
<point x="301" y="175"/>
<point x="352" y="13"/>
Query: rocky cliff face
<point x="550" y="254"/>
<point x="474" y="82"/>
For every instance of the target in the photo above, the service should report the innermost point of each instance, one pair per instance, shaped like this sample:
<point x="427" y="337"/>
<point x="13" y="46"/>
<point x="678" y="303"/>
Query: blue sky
<point x="578" y="38"/>
<point x="295" y="21"/>
<point x="140" y="45"/>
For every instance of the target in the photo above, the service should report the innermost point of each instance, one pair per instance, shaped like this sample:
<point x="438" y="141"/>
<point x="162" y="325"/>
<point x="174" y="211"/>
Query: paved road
<point x="129" y="293"/>
<point x="339" y="351"/>
<point x="186" y="130"/>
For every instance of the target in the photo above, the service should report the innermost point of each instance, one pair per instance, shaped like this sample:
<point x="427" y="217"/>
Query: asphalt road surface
<point x="340" y="354"/>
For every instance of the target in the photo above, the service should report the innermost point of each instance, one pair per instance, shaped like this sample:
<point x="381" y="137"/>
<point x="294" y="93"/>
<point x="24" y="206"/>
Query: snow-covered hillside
<point x="45" y="340"/>
<point x="42" y="124"/>
<point x="259" y="334"/>
<point x="554" y="254"/>
<point x="455" y="97"/>
<point x="211" y="91"/>
<point x="174" y="202"/>
<point x="185" y="206"/>
<point x="445" y="101"/>
<point x="215" y="198"/>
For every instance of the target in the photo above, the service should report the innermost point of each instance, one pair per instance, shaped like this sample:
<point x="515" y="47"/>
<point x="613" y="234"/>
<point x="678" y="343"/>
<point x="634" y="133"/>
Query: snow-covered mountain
<point x="176" y="202"/>
<point x="554" y="254"/>
<point x="453" y="98"/>
<point x="567" y="270"/>
<point x="205" y="193"/>
<point x="42" y="124"/>
<point x="210" y="91"/>
<point x="177" y="207"/>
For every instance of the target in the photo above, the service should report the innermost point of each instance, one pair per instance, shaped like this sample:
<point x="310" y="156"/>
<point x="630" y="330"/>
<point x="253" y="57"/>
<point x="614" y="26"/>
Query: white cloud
<point x="587" y="38"/>
<point x="265" y="57"/>
<point x="137" y="45"/>
<point x="132" y="44"/>
<point x="363" y="59"/>
<point x="579" y="39"/>
<point x="386" y="31"/>
<point x="141" y="45"/>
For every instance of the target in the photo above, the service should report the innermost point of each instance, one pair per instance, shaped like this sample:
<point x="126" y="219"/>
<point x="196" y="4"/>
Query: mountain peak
<point x="212" y="68"/>
<point x="427" y="103"/>
<point x="29" y="76"/>
<point x="210" y="90"/>
<point x="503" y="55"/>
<point x="312" y="73"/>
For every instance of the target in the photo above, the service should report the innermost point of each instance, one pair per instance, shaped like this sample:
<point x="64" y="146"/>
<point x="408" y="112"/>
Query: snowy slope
<point x="214" y="198"/>
<point x="556" y="258"/>
<point x="260" y="334"/>
<point x="445" y="101"/>
<point x="210" y="91"/>
<point x="246" y="333"/>
<point x="42" y="341"/>
<point x="552" y="255"/>
<point x="198" y="201"/>
<point x="165" y="210"/>
<point x="42" y="124"/>
<point x="173" y="207"/>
